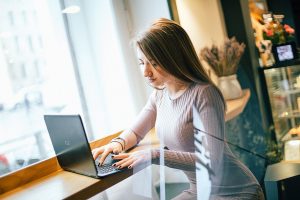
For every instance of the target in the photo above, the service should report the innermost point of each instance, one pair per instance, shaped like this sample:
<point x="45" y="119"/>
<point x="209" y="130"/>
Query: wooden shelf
<point x="236" y="106"/>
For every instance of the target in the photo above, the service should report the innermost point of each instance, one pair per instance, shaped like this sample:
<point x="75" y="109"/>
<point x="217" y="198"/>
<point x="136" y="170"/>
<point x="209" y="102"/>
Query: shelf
<point x="236" y="106"/>
<point x="291" y="63"/>
<point x="288" y="136"/>
<point x="287" y="92"/>
<point x="290" y="114"/>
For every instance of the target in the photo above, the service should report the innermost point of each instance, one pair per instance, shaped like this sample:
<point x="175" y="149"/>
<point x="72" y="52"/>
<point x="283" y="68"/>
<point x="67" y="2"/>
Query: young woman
<point x="170" y="65"/>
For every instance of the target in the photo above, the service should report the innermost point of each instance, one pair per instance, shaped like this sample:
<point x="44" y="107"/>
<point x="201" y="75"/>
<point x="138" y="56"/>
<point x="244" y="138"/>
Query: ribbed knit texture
<point x="173" y="121"/>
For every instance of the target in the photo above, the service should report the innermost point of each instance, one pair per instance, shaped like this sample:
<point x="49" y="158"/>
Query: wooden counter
<point x="236" y="106"/>
<point x="46" y="180"/>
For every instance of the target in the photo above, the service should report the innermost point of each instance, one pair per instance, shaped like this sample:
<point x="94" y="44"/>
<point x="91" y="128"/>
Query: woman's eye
<point x="154" y="64"/>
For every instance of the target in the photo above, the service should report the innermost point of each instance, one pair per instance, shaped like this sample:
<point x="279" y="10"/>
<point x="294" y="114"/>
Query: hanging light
<point x="71" y="9"/>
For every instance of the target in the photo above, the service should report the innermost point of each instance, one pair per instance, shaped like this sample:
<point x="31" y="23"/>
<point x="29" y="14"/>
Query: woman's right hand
<point x="104" y="151"/>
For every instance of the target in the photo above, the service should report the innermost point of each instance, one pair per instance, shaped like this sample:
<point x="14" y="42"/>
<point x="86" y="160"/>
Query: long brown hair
<point x="168" y="44"/>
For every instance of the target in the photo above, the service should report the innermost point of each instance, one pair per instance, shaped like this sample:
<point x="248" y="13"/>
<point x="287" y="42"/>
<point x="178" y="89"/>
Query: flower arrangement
<point x="276" y="32"/>
<point x="224" y="59"/>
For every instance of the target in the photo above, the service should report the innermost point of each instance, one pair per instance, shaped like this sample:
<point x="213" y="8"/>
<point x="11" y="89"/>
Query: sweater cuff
<point x="155" y="154"/>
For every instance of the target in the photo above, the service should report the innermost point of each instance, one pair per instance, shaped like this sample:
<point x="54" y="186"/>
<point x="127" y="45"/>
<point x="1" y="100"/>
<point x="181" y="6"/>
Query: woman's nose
<point x="147" y="72"/>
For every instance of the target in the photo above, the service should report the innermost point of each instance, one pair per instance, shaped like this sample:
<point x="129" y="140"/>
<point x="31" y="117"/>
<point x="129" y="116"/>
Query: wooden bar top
<point x="60" y="184"/>
<point x="46" y="180"/>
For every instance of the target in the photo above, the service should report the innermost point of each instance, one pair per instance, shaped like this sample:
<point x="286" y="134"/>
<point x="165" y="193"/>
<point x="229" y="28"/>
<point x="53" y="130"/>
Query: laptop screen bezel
<point x="48" y="122"/>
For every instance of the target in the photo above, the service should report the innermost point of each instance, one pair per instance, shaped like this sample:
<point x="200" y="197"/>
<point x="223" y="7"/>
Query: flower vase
<point x="230" y="87"/>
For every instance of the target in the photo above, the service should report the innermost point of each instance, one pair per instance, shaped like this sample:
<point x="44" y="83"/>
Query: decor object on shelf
<point x="224" y="62"/>
<point x="294" y="132"/>
<point x="275" y="40"/>
<point x="292" y="149"/>
<point x="292" y="144"/>
<point x="282" y="37"/>
<point x="266" y="52"/>
<point x="297" y="84"/>
<point x="277" y="32"/>
<point x="230" y="87"/>
<point x="284" y="52"/>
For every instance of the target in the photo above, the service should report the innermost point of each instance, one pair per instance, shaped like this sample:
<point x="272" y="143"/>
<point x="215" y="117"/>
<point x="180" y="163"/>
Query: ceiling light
<point x="71" y="10"/>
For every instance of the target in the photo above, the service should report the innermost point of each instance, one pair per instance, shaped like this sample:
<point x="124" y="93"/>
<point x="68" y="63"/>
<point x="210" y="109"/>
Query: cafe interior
<point x="67" y="57"/>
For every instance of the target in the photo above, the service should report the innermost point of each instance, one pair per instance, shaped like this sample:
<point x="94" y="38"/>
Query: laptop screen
<point x="70" y="143"/>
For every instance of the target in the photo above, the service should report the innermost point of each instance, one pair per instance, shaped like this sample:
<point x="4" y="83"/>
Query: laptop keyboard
<point x="106" y="168"/>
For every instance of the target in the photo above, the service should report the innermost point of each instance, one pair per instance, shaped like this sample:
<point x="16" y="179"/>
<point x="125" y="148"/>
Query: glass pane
<point x="283" y="91"/>
<point x="283" y="86"/>
<point x="36" y="77"/>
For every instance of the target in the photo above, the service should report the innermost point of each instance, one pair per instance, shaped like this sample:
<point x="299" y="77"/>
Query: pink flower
<point x="288" y="29"/>
<point x="269" y="32"/>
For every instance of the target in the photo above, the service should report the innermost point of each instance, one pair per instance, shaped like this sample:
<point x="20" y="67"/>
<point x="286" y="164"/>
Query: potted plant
<point x="224" y="62"/>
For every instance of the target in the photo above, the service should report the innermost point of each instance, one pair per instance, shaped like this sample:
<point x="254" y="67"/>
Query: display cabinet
<point x="283" y="96"/>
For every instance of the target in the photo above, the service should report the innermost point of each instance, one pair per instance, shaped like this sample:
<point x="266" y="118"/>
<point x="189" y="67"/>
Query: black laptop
<point x="72" y="148"/>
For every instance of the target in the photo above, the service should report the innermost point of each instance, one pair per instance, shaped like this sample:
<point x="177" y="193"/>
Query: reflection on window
<point x="16" y="44"/>
<point x="10" y="18"/>
<point x="33" y="81"/>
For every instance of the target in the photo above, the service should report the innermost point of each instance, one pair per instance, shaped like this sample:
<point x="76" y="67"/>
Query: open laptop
<point x="72" y="148"/>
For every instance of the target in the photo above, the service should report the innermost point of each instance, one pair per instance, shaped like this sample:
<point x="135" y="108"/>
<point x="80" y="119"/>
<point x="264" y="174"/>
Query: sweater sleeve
<point x="210" y="107"/>
<point x="209" y="119"/>
<point x="146" y="118"/>
<point x="175" y="159"/>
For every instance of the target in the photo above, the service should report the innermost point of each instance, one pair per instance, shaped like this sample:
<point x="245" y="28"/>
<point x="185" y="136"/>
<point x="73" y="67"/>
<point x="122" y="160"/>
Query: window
<point x="107" y="78"/>
<point x="33" y="81"/>
<point x="59" y="63"/>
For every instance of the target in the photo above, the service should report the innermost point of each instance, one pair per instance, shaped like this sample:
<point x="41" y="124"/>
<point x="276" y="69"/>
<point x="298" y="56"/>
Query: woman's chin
<point x="157" y="86"/>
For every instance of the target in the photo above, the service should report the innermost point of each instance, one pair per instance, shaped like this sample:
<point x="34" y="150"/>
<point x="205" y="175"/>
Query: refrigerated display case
<point x="283" y="96"/>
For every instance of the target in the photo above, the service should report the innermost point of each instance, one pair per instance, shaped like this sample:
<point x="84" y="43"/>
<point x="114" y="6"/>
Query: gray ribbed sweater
<point x="173" y="121"/>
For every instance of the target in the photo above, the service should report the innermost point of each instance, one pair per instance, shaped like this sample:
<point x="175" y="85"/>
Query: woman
<point x="171" y="66"/>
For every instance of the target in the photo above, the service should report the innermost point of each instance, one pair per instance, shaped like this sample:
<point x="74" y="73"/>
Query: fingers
<point x="96" y="152"/>
<point x="105" y="150"/>
<point x="116" y="151"/>
<point x="124" y="163"/>
<point x="121" y="156"/>
<point x="135" y="163"/>
<point x="117" y="147"/>
<point x="104" y="155"/>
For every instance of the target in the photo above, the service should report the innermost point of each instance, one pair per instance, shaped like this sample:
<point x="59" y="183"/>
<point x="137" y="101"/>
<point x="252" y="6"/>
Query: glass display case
<point x="283" y="91"/>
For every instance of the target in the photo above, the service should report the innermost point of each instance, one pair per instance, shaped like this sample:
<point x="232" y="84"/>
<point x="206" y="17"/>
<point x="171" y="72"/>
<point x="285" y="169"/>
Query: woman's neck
<point x="175" y="90"/>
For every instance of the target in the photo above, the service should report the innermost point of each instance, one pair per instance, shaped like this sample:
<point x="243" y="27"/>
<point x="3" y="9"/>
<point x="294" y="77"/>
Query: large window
<point x="36" y="77"/>
<point x="63" y="57"/>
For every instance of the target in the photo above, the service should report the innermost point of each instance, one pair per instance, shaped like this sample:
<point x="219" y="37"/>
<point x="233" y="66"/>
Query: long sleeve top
<point x="173" y="122"/>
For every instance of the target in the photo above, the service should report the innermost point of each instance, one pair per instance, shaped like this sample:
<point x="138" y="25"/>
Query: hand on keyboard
<point x="108" y="160"/>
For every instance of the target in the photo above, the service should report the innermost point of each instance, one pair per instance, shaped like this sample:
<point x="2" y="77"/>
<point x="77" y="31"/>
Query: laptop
<point x="72" y="149"/>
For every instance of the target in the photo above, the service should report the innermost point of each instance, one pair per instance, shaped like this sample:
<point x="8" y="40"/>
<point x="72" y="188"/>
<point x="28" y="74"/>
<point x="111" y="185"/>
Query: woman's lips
<point x="151" y="80"/>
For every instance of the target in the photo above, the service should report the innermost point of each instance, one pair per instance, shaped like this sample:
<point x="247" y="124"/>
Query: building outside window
<point x="36" y="77"/>
<point x="52" y="62"/>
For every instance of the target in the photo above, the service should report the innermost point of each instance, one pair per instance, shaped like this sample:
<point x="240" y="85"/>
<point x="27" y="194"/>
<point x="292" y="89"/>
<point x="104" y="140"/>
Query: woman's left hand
<point x="131" y="160"/>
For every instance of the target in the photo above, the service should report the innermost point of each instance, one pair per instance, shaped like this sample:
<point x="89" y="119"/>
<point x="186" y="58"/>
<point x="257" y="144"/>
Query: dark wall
<point x="290" y="9"/>
<point x="238" y="24"/>
<point x="295" y="4"/>
<point x="248" y="129"/>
